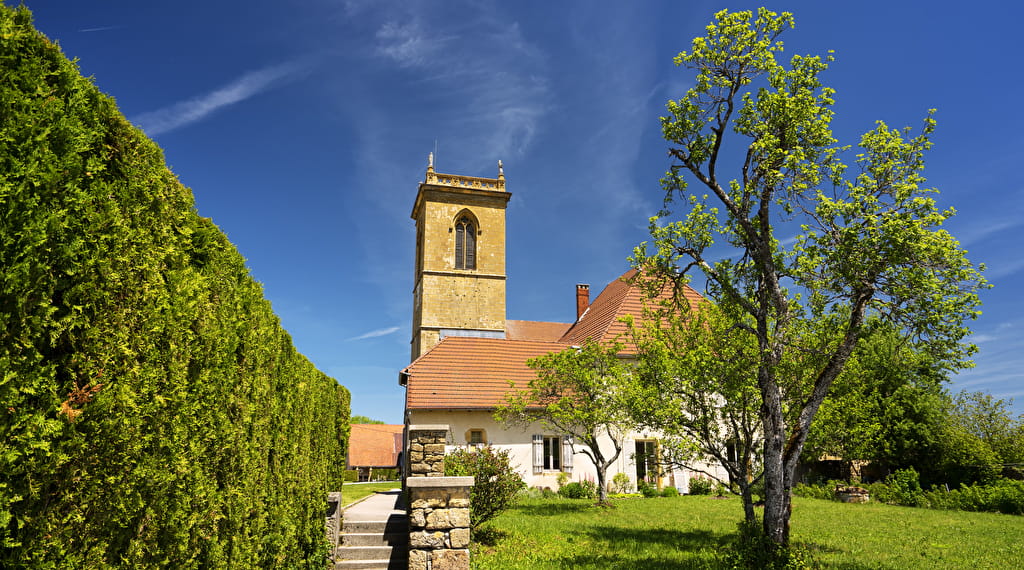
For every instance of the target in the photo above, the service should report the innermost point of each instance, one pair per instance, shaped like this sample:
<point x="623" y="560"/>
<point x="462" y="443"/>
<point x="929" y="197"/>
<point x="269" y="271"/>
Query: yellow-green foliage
<point x="153" y="412"/>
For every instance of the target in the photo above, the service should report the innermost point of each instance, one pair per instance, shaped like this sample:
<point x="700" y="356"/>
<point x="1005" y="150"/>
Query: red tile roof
<point x="374" y="445"/>
<point x="535" y="330"/>
<point x="602" y="321"/>
<point x="471" y="373"/>
<point x="474" y="373"/>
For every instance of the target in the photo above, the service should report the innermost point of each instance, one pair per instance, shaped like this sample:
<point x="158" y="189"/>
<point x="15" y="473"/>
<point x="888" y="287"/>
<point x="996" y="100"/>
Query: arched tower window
<point x="465" y="243"/>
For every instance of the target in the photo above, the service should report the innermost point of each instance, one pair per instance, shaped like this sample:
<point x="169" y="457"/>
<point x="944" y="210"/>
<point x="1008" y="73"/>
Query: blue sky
<point x="303" y="129"/>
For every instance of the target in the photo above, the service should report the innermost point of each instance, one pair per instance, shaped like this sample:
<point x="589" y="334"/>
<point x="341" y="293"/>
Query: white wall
<point x="519" y="442"/>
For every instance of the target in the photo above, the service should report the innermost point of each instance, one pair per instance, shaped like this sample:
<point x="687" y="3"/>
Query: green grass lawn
<point x="352" y="492"/>
<point x="694" y="532"/>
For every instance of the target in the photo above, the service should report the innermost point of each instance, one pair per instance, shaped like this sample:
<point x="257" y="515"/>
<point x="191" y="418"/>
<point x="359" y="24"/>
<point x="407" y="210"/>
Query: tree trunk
<point x="776" y="499"/>
<point x="602" y="489"/>
<point x="748" y="503"/>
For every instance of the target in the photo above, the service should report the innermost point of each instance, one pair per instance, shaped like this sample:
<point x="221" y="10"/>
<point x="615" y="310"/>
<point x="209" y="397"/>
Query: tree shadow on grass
<point x="694" y="549"/>
<point x="554" y="509"/>
<point x="489" y="536"/>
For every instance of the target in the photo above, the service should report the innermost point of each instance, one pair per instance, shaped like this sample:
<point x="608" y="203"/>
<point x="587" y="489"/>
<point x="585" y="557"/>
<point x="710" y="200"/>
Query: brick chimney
<point x="582" y="299"/>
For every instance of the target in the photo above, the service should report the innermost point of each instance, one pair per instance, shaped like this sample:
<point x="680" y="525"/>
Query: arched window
<point x="465" y="243"/>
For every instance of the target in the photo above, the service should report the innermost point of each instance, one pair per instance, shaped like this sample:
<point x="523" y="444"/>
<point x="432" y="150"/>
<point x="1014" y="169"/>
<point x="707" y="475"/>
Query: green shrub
<point x="646" y="489"/>
<point x="621" y="483"/>
<point x="496" y="483"/>
<point x="700" y="486"/>
<point x="351" y="475"/>
<point x="1003" y="496"/>
<point x="385" y="475"/>
<point x="821" y="490"/>
<point x="562" y="479"/>
<point x="155" y="412"/>
<point x="670" y="492"/>
<point x="904" y="488"/>
<point x="579" y="490"/>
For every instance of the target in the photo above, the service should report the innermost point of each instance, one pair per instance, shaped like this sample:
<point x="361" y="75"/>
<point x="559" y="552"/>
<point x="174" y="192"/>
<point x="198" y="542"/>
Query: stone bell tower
<point x="459" y="284"/>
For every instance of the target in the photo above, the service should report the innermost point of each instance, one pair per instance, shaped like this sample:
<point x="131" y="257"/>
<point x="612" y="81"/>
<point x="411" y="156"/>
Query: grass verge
<point x="352" y="492"/>
<point x="697" y="532"/>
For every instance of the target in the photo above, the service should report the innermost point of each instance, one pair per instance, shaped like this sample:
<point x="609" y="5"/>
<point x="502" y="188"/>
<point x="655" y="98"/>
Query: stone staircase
<point x="369" y="544"/>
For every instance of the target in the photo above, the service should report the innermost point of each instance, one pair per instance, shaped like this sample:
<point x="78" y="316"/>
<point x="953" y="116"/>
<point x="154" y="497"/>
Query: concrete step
<point x="370" y="552"/>
<point x="394" y="524"/>
<point x="375" y="539"/>
<point x="401" y="564"/>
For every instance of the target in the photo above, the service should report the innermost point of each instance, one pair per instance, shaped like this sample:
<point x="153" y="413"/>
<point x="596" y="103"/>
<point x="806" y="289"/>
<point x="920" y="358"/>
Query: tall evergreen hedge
<point x="153" y="412"/>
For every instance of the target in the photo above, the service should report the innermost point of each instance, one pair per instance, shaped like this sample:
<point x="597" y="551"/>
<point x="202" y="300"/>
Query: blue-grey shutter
<point x="460" y="241"/>
<point x="538" y="453"/>
<point x="470" y="246"/>
<point x="567" y="454"/>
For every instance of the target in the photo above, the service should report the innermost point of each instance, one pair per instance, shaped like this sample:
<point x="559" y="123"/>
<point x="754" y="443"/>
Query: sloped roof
<point x="602" y="321"/>
<point x="471" y="373"/>
<point x="374" y="445"/>
<point x="535" y="330"/>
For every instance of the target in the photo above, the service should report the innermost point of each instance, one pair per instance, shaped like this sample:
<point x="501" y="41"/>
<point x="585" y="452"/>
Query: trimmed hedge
<point x="154" y="412"/>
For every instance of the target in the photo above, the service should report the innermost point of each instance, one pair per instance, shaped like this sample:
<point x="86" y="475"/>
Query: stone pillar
<point x="439" y="523"/>
<point x="426" y="450"/>
<point x="332" y="520"/>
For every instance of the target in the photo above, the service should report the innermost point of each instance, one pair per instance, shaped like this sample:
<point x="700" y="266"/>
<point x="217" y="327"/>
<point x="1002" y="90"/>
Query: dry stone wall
<point x="426" y="450"/>
<point x="439" y="523"/>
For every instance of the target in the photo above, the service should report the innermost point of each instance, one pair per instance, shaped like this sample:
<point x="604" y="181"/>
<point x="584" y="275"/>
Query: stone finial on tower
<point x="501" y="169"/>
<point x="431" y="177"/>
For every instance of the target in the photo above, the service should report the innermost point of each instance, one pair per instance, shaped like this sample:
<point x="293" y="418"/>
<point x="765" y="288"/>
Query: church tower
<point x="459" y="285"/>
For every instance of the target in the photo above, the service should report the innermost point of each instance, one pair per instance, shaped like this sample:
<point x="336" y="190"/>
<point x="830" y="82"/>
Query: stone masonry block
<point x="429" y="498"/>
<point x="459" y="517"/>
<point x="450" y="560"/>
<point x="448" y="518"/>
<point x="418" y="518"/>
<point x="418" y="559"/>
<point x="426" y="540"/>
<point x="439" y="519"/>
<point x="459" y="537"/>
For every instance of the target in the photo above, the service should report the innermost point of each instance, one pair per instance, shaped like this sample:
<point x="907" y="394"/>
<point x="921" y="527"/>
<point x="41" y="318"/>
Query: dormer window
<point x="465" y="243"/>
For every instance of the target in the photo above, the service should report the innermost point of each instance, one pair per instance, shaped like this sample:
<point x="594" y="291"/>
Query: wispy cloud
<point x="980" y="231"/>
<point x="996" y="271"/>
<point x="407" y="44"/>
<point x="493" y="80"/>
<point x="196" y="109"/>
<point x="375" y="333"/>
<point x="99" y="29"/>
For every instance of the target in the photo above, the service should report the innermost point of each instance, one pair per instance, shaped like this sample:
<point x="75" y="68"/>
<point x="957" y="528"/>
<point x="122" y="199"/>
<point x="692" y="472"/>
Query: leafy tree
<point x="496" y="483"/>
<point x="694" y="382"/>
<point x="866" y="242"/>
<point x="979" y="435"/>
<point x="887" y="405"/>
<point x="576" y="392"/>
<point x="364" y="420"/>
<point x="990" y="419"/>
